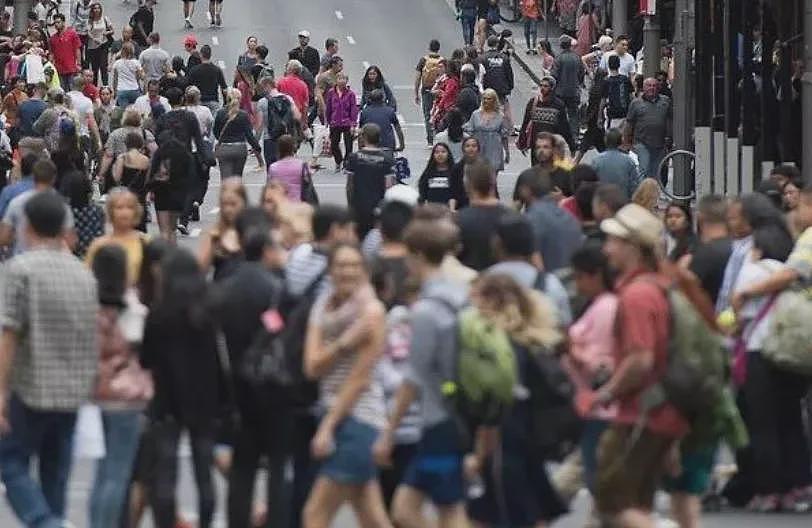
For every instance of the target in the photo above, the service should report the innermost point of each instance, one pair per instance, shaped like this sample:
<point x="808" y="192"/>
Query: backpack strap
<point x="540" y="284"/>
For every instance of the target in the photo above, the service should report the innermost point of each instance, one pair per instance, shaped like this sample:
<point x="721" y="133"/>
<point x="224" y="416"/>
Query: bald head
<point x="651" y="87"/>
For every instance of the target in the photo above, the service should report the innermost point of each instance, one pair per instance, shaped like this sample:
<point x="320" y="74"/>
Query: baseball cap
<point x="635" y="224"/>
<point x="189" y="40"/>
<point x="304" y="33"/>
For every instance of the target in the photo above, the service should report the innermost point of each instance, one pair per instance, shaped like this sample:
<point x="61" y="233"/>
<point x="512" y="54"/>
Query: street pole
<point x="620" y="16"/>
<point x="21" y="9"/>
<point x="806" y="94"/>
<point x="651" y="45"/>
<point x="683" y="81"/>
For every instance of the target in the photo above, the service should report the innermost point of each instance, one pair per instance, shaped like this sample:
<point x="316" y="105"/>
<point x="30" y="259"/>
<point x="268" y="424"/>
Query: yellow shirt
<point x="134" y="248"/>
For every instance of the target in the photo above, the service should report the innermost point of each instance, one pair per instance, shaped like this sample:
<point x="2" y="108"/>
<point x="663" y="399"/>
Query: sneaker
<point x="188" y="24"/>
<point x="764" y="504"/>
<point x="797" y="501"/>
<point x="195" y="212"/>
<point x="183" y="229"/>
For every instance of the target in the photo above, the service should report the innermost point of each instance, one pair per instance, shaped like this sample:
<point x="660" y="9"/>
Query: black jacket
<point x="309" y="57"/>
<point x="498" y="72"/>
<point x="568" y="71"/>
<point x="544" y="116"/>
<point x="468" y="100"/>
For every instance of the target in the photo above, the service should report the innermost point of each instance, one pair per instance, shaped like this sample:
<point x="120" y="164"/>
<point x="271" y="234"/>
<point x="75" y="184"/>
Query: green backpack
<point x="696" y="377"/>
<point x="788" y="344"/>
<point x="482" y="389"/>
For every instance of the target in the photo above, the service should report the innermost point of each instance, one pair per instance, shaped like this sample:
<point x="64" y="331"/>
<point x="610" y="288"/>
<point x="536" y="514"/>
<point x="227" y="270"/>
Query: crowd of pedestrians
<point x="429" y="344"/>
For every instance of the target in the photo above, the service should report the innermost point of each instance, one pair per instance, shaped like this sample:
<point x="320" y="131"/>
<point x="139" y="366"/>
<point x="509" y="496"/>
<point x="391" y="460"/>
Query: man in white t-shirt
<point x="627" y="62"/>
<point x="144" y="103"/>
<point x="82" y="105"/>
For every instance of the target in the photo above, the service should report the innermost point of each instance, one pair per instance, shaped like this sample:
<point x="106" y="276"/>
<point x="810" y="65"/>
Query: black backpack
<point x="618" y="96"/>
<point x="280" y="117"/>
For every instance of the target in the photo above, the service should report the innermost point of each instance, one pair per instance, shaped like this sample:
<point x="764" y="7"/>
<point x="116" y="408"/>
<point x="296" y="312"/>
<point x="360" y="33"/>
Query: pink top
<point x="288" y="171"/>
<point x="586" y="34"/>
<point x="593" y="342"/>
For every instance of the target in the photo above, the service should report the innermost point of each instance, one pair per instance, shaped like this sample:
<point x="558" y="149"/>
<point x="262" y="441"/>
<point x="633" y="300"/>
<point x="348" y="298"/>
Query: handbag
<point x="108" y="32"/>
<point x="205" y="154"/>
<point x="309" y="194"/>
<point x="788" y="344"/>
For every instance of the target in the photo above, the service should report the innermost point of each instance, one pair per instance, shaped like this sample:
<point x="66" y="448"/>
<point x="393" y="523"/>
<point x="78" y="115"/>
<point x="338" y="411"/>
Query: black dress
<point x="170" y="195"/>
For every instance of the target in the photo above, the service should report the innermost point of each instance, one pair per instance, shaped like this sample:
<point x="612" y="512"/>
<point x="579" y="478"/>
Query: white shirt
<point x="144" y="107"/>
<point x="204" y="118"/>
<point x="751" y="273"/>
<point x="83" y="107"/>
<point x="627" y="63"/>
<point x="127" y="70"/>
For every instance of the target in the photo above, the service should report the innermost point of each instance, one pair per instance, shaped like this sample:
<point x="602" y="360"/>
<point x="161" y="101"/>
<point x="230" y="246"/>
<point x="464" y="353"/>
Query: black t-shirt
<point x="179" y="81"/>
<point x="146" y="17"/>
<point x="440" y="186"/>
<point x="208" y="78"/>
<point x="477" y="225"/>
<point x="369" y="169"/>
<point x="388" y="275"/>
<point x="708" y="264"/>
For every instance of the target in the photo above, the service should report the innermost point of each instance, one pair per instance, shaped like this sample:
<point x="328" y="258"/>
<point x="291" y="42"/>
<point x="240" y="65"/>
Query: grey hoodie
<point x="432" y="354"/>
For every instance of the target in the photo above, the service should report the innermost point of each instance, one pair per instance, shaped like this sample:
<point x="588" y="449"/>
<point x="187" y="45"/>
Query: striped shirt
<point x="54" y="316"/>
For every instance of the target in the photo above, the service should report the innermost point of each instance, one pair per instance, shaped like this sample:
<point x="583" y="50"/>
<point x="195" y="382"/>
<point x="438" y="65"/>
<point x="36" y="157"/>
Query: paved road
<point x="390" y="33"/>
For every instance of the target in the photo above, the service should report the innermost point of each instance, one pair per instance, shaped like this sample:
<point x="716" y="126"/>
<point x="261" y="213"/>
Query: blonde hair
<point x="233" y="97"/>
<point x="647" y="194"/>
<point x="490" y="92"/>
<point x="119" y="194"/>
<point x="526" y="315"/>
<point x="229" y="185"/>
<point x="131" y="117"/>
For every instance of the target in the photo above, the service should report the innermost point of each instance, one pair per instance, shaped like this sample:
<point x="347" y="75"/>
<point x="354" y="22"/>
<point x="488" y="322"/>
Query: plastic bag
<point x="88" y="437"/>
<point x="321" y="142"/>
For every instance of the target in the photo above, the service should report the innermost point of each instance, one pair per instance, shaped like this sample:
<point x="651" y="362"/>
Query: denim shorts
<point x="436" y="469"/>
<point x="351" y="462"/>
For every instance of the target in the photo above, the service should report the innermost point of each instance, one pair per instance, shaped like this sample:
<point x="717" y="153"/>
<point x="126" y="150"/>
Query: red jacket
<point x="448" y="98"/>
<point x="296" y="89"/>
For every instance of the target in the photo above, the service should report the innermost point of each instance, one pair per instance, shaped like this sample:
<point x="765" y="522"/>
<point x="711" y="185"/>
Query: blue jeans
<point x="427" y="100"/>
<point x="125" y="98"/>
<point x="531" y="32"/>
<point x="121" y="434"/>
<point x="468" y="21"/>
<point x="650" y="159"/>
<point x="590" y="438"/>
<point x="47" y="435"/>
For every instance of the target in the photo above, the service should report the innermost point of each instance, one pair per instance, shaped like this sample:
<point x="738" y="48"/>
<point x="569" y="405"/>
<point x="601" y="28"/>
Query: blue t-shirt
<point x="28" y="113"/>
<point x="12" y="191"/>
<point x="558" y="234"/>
<point x="385" y="117"/>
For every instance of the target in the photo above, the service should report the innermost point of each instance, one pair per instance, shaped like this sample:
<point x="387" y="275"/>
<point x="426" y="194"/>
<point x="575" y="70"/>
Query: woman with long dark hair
<point x="471" y="152"/>
<point x="679" y="224"/>
<point x="437" y="184"/>
<point x="373" y="80"/>
<point x="445" y="91"/>
<point x="453" y="133"/>
<point x="180" y="350"/>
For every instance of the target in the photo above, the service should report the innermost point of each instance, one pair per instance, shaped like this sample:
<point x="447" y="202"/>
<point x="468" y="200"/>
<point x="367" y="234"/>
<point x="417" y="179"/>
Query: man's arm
<point x="8" y="347"/>
<point x="399" y="133"/>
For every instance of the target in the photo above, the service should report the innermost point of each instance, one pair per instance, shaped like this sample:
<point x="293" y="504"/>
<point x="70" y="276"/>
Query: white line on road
<point x="195" y="233"/>
<point x="366" y="64"/>
<point x="214" y="210"/>
<point x="401" y="119"/>
<point x="208" y="16"/>
<point x="403" y="87"/>
<point x="339" y="15"/>
<point x="222" y="64"/>
<point x="350" y="39"/>
<point x="215" y="41"/>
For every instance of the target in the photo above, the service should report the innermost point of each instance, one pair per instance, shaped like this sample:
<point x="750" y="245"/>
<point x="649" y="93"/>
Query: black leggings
<point x="166" y="436"/>
<point x="97" y="61"/>
<point x="336" y="132"/>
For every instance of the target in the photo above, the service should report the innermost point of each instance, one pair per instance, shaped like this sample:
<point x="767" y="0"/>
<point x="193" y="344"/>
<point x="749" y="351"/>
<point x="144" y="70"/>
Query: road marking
<point x="366" y="65"/>
<point x="215" y="41"/>
<point x="214" y="210"/>
<point x="350" y="39"/>
<point x="339" y="15"/>
<point x="403" y="87"/>
<point x="401" y="119"/>
<point x="222" y="64"/>
<point x="208" y="16"/>
<point x="195" y="233"/>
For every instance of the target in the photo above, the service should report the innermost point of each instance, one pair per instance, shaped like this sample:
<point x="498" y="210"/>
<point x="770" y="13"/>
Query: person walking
<point x="489" y="126"/>
<point x="306" y="54"/>
<point x="436" y="184"/>
<point x="453" y="135"/>
<point x="615" y="166"/>
<point x="428" y="71"/>
<point x="341" y="112"/>
<point x="154" y="60"/>
<point x="617" y="90"/>
<point x="477" y="222"/>
<point x="290" y="171"/>
<point x="588" y="26"/>
<point x="385" y="117"/>
<point x="370" y="171"/>
<point x="568" y="71"/>
<point x="220" y="248"/>
<point x="468" y="98"/>
<point x="169" y="183"/>
<point x="466" y="13"/>
<point x="344" y="342"/>
<point x="180" y="351"/>
<point x="648" y="129"/>
<point x="131" y="171"/>
<point x="233" y="131"/>
<point x="544" y="112"/>
<point x="373" y="80"/>
<point x="499" y="77"/>
<point x="127" y="77"/>
<point x="100" y="33"/>
<point x="209" y="78"/>
<point x="50" y="369"/>
<point x="530" y="17"/>
<point x="65" y="50"/>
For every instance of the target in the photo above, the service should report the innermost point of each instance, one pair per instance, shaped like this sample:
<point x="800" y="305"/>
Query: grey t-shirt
<point x="15" y="217"/>
<point x="154" y="61"/>
<point x="650" y="120"/>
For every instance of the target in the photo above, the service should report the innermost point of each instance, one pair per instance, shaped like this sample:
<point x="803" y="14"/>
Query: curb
<point x="519" y="59"/>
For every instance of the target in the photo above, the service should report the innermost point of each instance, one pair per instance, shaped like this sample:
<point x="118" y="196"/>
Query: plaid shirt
<point x="49" y="300"/>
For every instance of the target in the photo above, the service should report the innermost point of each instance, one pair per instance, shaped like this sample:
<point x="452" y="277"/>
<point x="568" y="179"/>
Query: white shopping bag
<point x="321" y="142"/>
<point x="34" y="69"/>
<point x="88" y="437"/>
